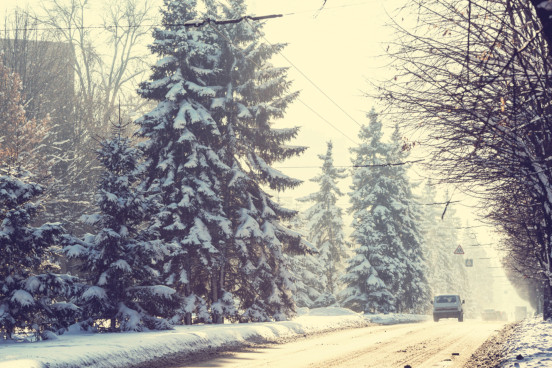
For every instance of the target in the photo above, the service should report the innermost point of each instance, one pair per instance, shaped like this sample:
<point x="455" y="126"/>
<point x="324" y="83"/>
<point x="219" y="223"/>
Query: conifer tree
<point x="451" y="225"/>
<point x="118" y="260"/>
<point x="251" y="95"/>
<point x="32" y="297"/>
<point x="447" y="272"/>
<point x="405" y="210"/>
<point x="435" y="247"/>
<point x="307" y="272"/>
<point x="209" y="146"/>
<point x="387" y="272"/>
<point x="325" y="223"/>
<point x="373" y="274"/>
<point x="183" y="169"/>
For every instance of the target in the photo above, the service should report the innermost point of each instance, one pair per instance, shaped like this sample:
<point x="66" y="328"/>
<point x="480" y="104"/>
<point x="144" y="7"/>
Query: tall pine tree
<point x="451" y="225"/>
<point x="307" y="271"/>
<point x="405" y="210"/>
<point x="32" y="297"/>
<point x="373" y="274"/>
<point x="118" y="260"/>
<point x="386" y="274"/>
<point x="252" y="95"/>
<point x="184" y="172"/>
<point x="325" y="224"/>
<point x="209" y="149"/>
<point x="437" y="252"/>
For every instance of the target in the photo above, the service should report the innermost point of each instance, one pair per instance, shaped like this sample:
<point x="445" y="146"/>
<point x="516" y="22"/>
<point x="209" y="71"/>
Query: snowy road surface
<point x="447" y="343"/>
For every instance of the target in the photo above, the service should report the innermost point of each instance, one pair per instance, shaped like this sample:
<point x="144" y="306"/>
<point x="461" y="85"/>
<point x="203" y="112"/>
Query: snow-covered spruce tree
<point x="183" y="170"/>
<point x="447" y="273"/>
<point x="436" y="250"/>
<point x="451" y="225"/>
<point x="252" y="94"/>
<point x="325" y="225"/>
<point x="407" y="218"/>
<point x="208" y="149"/>
<point x="118" y="260"/>
<point x="307" y="271"/>
<point x="32" y="298"/>
<point x="386" y="272"/>
<point x="373" y="275"/>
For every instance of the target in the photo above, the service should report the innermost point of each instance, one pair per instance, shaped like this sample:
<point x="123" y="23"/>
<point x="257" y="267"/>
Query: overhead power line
<point x="306" y="76"/>
<point x="192" y="23"/>
<point x="352" y="166"/>
<point x="258" y="66"/>
<point x="202" y="22"/>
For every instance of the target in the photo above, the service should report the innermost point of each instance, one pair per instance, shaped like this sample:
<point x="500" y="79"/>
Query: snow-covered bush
<point x="31" y="300"/>
<point x="119" y="259"/>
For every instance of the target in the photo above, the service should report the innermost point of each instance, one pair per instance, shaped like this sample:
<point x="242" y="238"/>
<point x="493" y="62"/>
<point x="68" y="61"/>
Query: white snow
<point x="394" y="318"/>
<point x="122" y="265"/>
<point x="78" y="349"/>
<point x="533" y="340"/>
<point x="23" y="298"/>
<point x="531" y="345"/>
<point x="94" y="292"/>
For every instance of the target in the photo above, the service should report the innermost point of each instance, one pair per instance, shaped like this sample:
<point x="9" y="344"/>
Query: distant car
<point x="448" y="306"/>
<point x="490" y="315"/>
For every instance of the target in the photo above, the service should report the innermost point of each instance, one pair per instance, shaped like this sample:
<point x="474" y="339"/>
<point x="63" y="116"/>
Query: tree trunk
<point x="188" y="315"/>
<point x="547" y="300"/>
<point x="217" y="318"/>
<point x="221" y="289"/>
<point x="544" y="16"/>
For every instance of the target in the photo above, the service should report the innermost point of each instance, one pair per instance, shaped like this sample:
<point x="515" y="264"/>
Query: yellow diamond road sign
<point x="459" y="250"/>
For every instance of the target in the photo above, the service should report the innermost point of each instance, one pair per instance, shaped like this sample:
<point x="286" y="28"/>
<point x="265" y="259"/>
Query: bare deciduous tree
<point x="104" y="73"/>
<point x="76" y="73"/>
<point x="473" y="82"/>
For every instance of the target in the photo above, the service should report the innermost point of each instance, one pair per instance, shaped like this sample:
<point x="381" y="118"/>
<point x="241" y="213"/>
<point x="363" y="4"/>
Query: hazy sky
<point x="331" y="54"/>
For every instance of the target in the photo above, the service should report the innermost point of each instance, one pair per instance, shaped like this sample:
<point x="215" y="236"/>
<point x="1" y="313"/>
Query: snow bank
<point x="391" y="319"/>
<point x="124" y="349"/>
<point x="531" y="345"/>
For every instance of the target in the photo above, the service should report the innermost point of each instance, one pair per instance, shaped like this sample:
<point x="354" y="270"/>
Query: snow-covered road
<point x="444" y="344"/>
<point x="324" y="337"/>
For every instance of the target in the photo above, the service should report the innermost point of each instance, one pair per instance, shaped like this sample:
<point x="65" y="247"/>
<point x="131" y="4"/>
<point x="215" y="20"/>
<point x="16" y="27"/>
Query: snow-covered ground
<point x="531" y="345"/>
<point x="76" y="349"/>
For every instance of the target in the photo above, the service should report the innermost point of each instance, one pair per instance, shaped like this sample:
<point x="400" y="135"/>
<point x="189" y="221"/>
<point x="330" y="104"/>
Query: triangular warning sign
<point x="459" y="250"/>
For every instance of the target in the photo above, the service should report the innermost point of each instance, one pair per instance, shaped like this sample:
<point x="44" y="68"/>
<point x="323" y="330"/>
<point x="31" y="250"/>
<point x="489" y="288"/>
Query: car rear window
<point x="446" y="299"/>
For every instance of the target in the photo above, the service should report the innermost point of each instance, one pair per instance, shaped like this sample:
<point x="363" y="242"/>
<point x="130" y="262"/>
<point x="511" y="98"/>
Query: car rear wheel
<point x="461" y="318"/>
<point x="436" y="319"/>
